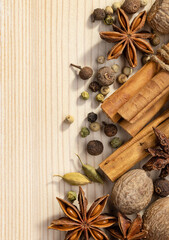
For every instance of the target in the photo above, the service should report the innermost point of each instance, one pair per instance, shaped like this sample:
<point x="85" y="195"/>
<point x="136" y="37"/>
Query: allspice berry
<point x="69" y="119"/>
<point x="100" y="97"/>
<point x="95" y="147"/>
<point x="145" y="59"/>
<point x="131" y="6"/>
<point x="109" y="10"/>
<point x="161" y="187"/>
<point x="92" y="117"/>
<point x="98" y="14"/>
<point x="110" y="129"/>
<point x="105" y="76"/>
<point x="94" y="86"/>
<point x="109" y="20"/>
<point x="95" y="126"/>
<point x="122" y="78"/>
<point x="105" y="90"/>
<point x="101" y="59"/>
<point x="116" y="5"/>
<point x="85" y="72"/>
<point x="85" y="95"/>
<point x="155" y="40"/>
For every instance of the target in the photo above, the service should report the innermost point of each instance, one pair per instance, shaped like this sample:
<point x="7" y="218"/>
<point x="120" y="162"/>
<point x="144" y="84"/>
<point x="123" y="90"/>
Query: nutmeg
<point x="156" y="220"/>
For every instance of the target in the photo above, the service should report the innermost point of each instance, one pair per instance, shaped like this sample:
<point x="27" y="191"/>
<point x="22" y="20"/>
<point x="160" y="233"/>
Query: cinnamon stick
<point x="137" y="106"/>
<point x="113" y="103"/>
<point x="134" y="150"/>
<point x="134" y="128"/>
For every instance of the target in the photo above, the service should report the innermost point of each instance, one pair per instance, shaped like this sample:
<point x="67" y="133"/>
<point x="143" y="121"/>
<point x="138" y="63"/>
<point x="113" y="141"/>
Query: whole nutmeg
<point x="131" y="6"/>
<point x="156" y="220"/>
<point x="95" y="147"/>
<point x="161" y="187"/>
<point x="132" y="192"/>
<point x="85" y="72"/>
<point x="105" y="76"/>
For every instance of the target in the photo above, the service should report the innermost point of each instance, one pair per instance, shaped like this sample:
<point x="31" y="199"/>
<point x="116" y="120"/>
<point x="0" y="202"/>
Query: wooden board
<point x="38" y="41"/>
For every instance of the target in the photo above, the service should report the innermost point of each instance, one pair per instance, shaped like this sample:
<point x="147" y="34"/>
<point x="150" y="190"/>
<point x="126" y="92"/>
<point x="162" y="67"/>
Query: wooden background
<point x="38" y="41"/>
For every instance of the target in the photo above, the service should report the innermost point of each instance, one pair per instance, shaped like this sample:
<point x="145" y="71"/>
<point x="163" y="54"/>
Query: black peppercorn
<point x="161" y="187"/>
<point x="85" y="72"/>
<point x="98" y="14"/>
<point x="94" y="86"/>
<point x="105" y="76"/>
<point x="92" y="117"/>
<point x="95" y="147"/>
<point x="110" y="129"/>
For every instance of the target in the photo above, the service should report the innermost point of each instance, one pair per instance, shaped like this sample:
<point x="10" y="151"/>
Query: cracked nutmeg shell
<point x="105" y="76"/>
<point x="158" y="16"/>
<point x="132" y="192"/>
<point x="156" y="220"/>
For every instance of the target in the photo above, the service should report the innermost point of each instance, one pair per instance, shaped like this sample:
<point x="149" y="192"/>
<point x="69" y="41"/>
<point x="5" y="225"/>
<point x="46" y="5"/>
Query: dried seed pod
<point x="105" y="76"/>
<point x="161" y="187"/>
<point x="122" y="78"/>
<point x="91" y="172"/>
<point x="95" y="147"/>
<point x="74" y="178"/>
<point x="105" y="90"/>
<point x="95" y="126"/>
<point x="94" y="86"/>
<point x="100" y="97"/>
<point x="85" y="72"/>
<point x="101" y="59"/>
<point x="157" y="17"/>
<point x="85" y="95"/>
<point x="110" y="129"/>
<point x="92" y="117"/>
<point x="98" y="14"/>
<point x="127" y="71"/>
<point x="132" y="192"/>
<point x="84" y="132"/>
<point x="69" y="119"/>
<point x="131" y="6"/>
<point x="156" y="220"/>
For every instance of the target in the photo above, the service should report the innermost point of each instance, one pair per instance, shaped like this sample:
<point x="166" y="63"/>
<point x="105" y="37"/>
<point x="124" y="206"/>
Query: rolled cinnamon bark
<point x="113" y="103"/>
<point x="133" y="151"/>
<point x="148" y="96"/>
<point x="134" y="128"/>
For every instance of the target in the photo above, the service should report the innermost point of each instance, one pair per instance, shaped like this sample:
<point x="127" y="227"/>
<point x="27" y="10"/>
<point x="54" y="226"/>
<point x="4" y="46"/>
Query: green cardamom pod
<point x="74" y="178"/>
<point x="91" y="172"/>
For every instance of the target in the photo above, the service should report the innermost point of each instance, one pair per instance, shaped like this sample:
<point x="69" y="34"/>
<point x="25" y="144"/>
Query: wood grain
<point x="38" y="41"/>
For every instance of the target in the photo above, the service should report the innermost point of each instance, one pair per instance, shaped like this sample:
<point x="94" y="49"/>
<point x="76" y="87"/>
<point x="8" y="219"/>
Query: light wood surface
<point x="38" y="41"/>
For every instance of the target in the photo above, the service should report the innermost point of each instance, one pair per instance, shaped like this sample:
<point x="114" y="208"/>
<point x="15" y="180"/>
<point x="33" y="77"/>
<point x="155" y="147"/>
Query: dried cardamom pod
<point x="74" y="178"/>
<point x="91" y="172"/>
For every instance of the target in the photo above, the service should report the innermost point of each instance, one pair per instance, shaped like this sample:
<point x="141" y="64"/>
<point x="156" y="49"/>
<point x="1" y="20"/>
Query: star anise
<point x="160" y="155"/>
<point x="128" y="37"/>
<point x="128" y="230"/>
<point x="83" y="223"/>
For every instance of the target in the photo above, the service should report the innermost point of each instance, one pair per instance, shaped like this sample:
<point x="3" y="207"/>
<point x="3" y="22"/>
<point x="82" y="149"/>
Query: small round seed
<point x="145" y="59"/>
<point x="98" y="235"/>
<point x="74" y="236"/>
<point x="96" y="210"/>
<point x="109" y="10"/>
<point x="109" y="20"/>
<point x="116" y="5"/>
<point x="71" y="212"/>
<point x="95" y="126"/>
<point x="115" y="68"/>
<point x="122" y="78"/>
<point x="94" y="86"/>
<point x="100" y="97"/>
<point x="127" y="71"/>
<point x="105" y="90"/>
<point x="85" y="95"/>
<point x="143" y="3"/>
<point x="69" y="119"/>
<point x="101" y="59"/>
<point x="155" y="41"/>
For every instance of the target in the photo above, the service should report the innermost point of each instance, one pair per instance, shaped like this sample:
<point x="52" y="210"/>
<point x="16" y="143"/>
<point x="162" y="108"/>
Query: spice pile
<point x="132" y="106"/>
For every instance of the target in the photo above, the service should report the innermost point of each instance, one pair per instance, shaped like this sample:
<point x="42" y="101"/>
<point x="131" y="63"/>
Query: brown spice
<point x="128" y="37"/>
<point x="161" y="187"/>
<point x="83" y="222"/>
<point x="110" y="129"/>
<point x="95" y="147"/>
